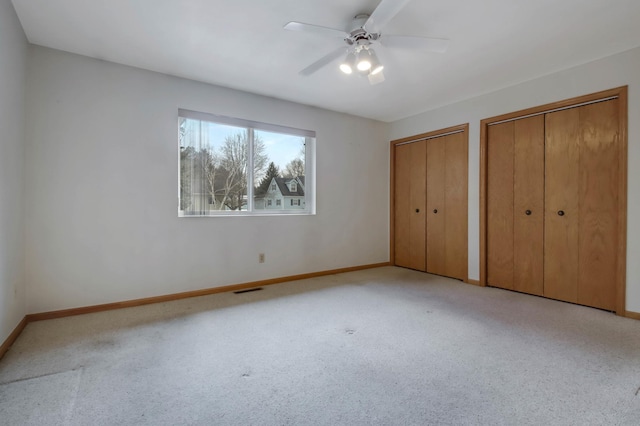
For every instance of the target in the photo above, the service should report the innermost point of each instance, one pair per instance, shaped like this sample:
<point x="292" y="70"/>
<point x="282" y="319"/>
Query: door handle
<point x="417" y="210"/>
<point x="435" y="210"/>
<point x="560" y="212"/>
<point x="528" y="212"/>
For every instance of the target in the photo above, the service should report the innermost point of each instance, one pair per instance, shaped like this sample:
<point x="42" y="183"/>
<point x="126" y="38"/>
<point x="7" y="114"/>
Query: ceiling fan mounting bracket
<point x="359" y="20"/>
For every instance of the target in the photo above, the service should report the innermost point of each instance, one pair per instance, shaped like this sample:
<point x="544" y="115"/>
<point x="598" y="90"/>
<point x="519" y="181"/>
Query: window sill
<point x="246" y="214"/>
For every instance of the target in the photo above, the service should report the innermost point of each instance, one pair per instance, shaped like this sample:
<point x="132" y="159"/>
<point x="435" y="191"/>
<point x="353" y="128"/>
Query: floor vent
<point x="247" y="290"/>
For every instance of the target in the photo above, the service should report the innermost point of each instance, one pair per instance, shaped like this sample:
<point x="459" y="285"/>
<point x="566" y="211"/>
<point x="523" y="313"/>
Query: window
<point x="295" y="202"/>
<point x="227" y="166"/>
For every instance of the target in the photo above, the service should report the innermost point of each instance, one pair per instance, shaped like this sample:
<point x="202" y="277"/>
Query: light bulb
<point x="376" y="66"/>
<point x="376" y="70"/>
<point x="364" y="60"/>
<point x="345" y="68"/>
<point x="348" y="64"/>
<point x="376" y="78"/>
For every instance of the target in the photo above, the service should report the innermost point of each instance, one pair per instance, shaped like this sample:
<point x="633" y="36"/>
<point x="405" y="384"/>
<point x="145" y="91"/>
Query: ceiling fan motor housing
<point x="358" y="35"/>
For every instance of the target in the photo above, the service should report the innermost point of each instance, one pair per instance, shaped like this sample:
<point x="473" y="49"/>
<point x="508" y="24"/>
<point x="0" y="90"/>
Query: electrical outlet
<point x="261" y="258"/>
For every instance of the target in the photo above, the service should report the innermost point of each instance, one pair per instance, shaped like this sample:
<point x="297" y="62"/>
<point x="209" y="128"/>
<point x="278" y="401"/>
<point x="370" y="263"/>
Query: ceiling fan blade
<point x="316" y="29"/>
<point x="325" y="60"/>
<point x="385" y="11"/>
<point x="438" y="45"/>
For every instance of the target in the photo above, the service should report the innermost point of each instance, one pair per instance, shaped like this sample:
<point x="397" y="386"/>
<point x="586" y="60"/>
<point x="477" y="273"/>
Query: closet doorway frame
<point x="621" y="255"/>
<point x="461" y="128"/>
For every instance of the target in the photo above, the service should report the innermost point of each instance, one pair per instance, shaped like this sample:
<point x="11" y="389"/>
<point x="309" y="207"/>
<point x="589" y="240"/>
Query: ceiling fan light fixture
<point x="377" y="69"/>
<point x="376" y="66"/>
<point x="364" y="60"/>
<point x="345" y="68"/>
<point x="348" y="64"/>
<point x="376" y="78"/>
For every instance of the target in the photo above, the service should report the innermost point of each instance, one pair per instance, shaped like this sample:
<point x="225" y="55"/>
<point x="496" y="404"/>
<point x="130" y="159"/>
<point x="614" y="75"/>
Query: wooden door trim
<point x="567" y="103"/>
<point x="621" y="283"/>
<point x="621" y="94"/>
<point x="464" y="128"/>
<point x="431" y="135"/>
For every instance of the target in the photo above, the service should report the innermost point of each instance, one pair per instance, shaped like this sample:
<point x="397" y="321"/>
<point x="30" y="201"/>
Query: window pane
<point x="216" y="170"/>
<point x="279" y="161"/>
<point x="213" y="167"/>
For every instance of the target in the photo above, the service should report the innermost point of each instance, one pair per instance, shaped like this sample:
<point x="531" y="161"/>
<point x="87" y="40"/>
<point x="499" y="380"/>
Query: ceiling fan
<point x="366" y="32"/>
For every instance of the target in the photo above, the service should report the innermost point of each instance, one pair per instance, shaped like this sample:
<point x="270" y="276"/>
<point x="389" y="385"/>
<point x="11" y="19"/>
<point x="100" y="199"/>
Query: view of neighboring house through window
<point x="233" y="166"/>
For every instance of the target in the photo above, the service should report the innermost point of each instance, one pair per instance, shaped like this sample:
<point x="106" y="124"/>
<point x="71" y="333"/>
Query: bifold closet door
<point x="436" y="220"/>
<point x="410" y="204"/>
<point x="500" y="175"/>
<point x="562" y="205"/>
<point x="515" y="205"/>
<point x="456" y="205"/>
<point x="581" y="219"/>
<point x="528" y="205"/>
<point x="447" y="179"/>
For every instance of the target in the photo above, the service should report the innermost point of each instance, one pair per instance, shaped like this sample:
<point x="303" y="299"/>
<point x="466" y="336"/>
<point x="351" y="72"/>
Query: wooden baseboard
<point x="473" y="282"/>
<point x="205" y="292"/>
<point x="632" y="315"/>
<point x="12" y="337"/>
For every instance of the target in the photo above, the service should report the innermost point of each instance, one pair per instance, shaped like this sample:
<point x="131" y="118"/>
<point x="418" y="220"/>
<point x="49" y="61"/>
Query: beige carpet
<point x="383" y="346"/>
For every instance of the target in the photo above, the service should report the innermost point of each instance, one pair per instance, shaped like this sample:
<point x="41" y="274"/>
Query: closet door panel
<point x="528" y="250"/>
<point x="436" y="236"/>
<point x="598" y="204"/>
<point x="500" y="176"/>
<point x="562" y="160"/>
<point x="402" y="205"/>
<point x="456" y="206"/>
<point x="410" y="203"/>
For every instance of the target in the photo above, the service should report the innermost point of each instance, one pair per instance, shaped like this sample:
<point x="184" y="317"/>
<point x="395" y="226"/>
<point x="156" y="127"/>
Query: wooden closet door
<point x="436" y="232"/>
<point x="500" y="197"/>
<point x="528" y="205"/>
<point x="456" y="205"/>
<point x="582" y="206"/>
<point x="410" y="203"/>
<point x="562" y="170"/>
<point x="598" y="189"/>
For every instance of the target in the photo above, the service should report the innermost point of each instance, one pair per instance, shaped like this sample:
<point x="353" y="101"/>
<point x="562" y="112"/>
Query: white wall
<point x="101" y="182"/>
<point x="13" y="61"/>
<point x="614" y="71"/>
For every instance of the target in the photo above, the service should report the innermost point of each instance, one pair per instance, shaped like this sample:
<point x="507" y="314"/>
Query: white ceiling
<point x="241" y="44"/>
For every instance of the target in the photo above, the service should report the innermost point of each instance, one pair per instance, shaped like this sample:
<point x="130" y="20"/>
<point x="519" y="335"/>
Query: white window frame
<point x="251" y="126"/>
